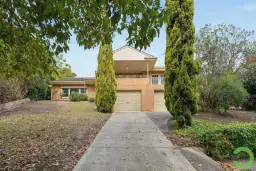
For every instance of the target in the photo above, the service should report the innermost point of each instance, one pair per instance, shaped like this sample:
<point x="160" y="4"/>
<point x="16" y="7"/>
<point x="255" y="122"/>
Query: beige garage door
<point x="128" y="101"/>
<point x="159" y="102"/>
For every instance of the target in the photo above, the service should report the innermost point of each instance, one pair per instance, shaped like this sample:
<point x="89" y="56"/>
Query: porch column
<point x="147" y="73"/>
<point x="148" y="94"/>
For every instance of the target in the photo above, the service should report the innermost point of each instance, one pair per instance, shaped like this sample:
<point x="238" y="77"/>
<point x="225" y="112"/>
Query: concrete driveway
<point x="132" y="142"/>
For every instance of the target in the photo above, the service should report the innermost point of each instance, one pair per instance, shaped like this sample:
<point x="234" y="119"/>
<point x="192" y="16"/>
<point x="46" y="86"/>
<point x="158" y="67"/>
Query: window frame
<point x="67" y="93"/>
<point x="69" y="90"/>
<point x="160" y="79"/>
<point x="155" y="76"/>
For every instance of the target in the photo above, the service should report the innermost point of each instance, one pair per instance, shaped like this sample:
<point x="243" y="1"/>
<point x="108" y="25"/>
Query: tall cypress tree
<point x="180" y="66"/>
<point x="105" y="80"/>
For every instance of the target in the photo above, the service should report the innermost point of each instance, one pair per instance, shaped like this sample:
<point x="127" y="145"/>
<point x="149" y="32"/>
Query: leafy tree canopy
<point x="61" y="69"/>
<point x="223" y="48"/>
<point x="31" y="32"/>
<point x="65" y="72"/>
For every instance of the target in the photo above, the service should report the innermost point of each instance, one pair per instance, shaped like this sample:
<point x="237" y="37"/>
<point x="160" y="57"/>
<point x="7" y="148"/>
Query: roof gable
<point x="130" y="53"/>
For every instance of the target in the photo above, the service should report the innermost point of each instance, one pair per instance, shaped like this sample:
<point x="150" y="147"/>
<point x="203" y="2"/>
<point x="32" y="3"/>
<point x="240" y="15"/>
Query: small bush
<point x="221" y="92"/>
<point x="91" y="99"/>
<point x="83" y="97"/>
<point x="74" y="97"/>
<point x="221" y="140"/>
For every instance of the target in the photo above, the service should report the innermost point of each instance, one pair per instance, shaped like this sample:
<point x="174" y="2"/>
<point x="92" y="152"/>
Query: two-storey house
<point x="140" y="84"/>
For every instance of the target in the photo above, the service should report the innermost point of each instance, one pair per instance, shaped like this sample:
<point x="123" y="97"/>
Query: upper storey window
<point x="157" y="79"/>
<point x="154" y="79"/>
<point x="162" y="79"/>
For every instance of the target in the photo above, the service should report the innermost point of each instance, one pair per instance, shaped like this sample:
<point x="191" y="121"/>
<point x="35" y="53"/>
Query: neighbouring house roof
<point x="77" y="79"/>
<point x="159" y="68"/>
<point x="73" y="80"/>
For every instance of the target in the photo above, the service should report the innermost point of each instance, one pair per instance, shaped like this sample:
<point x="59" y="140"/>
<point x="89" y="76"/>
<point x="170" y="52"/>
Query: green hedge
<point x="76" y="97"/>
<point x="221" y="140"/>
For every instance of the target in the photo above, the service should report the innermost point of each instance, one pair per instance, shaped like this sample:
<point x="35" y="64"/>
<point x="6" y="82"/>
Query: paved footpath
<point x="132" y="142"/>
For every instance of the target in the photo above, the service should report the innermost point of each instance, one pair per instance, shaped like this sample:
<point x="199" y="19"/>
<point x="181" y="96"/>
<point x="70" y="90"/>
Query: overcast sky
<point x="241" y="13"/>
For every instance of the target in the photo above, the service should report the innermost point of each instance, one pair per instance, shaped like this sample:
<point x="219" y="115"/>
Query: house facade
<point x="140" y="84"/>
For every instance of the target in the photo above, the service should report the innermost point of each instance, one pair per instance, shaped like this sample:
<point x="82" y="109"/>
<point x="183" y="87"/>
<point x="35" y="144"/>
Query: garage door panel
<point x="128" y="101"/>
<point x="159" y="102"/>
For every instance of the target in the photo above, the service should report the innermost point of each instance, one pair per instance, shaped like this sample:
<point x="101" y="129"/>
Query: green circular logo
<point x="244" y="165"/>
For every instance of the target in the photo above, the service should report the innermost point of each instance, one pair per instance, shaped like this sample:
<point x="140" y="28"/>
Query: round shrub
<point x="74" y="97"/>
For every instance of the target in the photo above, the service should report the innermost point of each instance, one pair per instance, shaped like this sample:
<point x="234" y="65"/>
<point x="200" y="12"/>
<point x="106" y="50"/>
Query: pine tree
<point x="105" y="80"/>
<point x="180" y="66"/>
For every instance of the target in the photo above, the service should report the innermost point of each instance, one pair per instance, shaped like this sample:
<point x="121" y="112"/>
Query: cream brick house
<point x="140" y="84"/>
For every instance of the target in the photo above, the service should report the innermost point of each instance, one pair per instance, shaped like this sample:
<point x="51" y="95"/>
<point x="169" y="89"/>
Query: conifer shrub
<point x="105" y="80"/>
<point x="180" y="67"/>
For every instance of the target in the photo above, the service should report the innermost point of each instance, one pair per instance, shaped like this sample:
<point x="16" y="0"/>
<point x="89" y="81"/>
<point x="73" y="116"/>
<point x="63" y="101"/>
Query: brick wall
<point x="143" y="85"/>
<point x="124" y="84"/>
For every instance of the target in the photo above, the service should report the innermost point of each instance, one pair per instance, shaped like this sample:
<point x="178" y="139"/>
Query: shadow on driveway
<point x="160" y="119"/>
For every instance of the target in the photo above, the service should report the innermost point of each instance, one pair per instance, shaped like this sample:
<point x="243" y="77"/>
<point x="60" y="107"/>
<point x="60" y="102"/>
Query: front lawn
<point x="48" y="141"/>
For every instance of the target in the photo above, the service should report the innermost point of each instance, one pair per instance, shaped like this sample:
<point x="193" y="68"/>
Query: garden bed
<point x="207" y="121"/>
<point x="218" y="134"/>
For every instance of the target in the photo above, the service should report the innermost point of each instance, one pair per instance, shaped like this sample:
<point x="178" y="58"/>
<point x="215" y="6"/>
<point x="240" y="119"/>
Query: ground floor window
<point x="66" y="92"/>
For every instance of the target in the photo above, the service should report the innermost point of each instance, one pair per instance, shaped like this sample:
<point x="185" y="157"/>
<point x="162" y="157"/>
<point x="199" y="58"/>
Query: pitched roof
<point x="126" y="46"/>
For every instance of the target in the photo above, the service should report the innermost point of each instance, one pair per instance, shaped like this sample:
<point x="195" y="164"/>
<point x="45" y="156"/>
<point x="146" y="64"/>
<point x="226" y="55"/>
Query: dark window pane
<point x="83" y="90"/>
<point x="74" y="90"/>
<point x="65" y="92"/>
